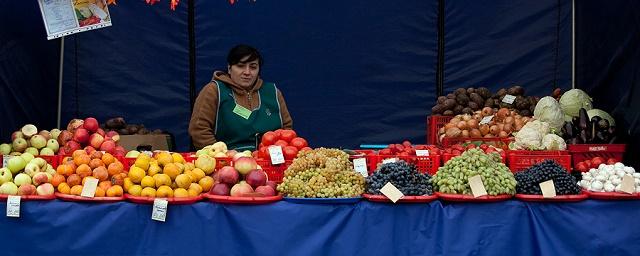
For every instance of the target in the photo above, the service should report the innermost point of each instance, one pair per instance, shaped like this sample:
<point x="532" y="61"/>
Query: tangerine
<point x="76" y="190"/>
<point x="64" y="188"/>
<point x="108" y="159"/>
<point x="115" y="168"/>
<point x="81" y="159"/>
<point x="95" y="163"/>
<point x="83" y="170"/>
<point x="115" y="190"/>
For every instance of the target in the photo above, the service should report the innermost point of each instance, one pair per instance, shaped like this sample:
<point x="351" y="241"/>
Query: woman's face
<point x="245" y="73"/>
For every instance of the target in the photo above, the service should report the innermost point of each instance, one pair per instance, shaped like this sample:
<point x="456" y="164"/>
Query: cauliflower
<point x="553" y="142"/>
<point x="531" y="135"/>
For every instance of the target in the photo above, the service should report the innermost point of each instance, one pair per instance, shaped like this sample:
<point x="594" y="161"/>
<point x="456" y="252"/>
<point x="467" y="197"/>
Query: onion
<point x="466" y="117"/>
<point x="487" y="111"/>
<point x="502" y="114"/>
<point x="509" y="120"/>
<point x="465" y="134"/>
<point x="508" y="128"/>
<point x="503" y="134"/>
<point x="484" y="129"/>
<point x="475" y="133"/>
<point x="494" y="130"/>
<point x="518" y="122"/>
<point x="517" y="128"/>
<point x="500" y="127"/>
<point x="462" y="125"/>
<point x="473" y="124"/>
<point x="441" y="131"/>
<point x="453" y="132"/>
<point x="449" y="126"/>
<point x="455" y="120"/>
<point x="489" y="136"/>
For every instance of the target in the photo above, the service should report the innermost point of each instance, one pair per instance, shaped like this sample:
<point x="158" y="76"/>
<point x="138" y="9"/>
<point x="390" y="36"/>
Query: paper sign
<point x="389" y="160"/>
<point x="628" y="184"/>
<point x="422" y="152"/>
<point x="66" y="17"/>
<point x="477" y="187"/>
<point x="159" y="212"/>
<point x="13" y="206"/>
<point x="509" y="99"/>
<point x="486" y="119"/>
<point x="548" y="189"/>
<point x="391" y="192"/>
<point x="89" y="188"/>
<point x="5" y="160"/>
<point x="276" y="154"/>
<point x="242" y="111"/>
<point x="360" y="165"/>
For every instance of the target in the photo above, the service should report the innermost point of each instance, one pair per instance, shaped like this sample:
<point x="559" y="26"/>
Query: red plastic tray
<point x="496" y="142"/>
<point x="52" y="160"/>
<point x="74" y="198"/>
<point x="523" y="159"/>
<point x="171" y="200"/>
<point x="471" y="199"/>
<point x="434" y="123"/>
<point x="405" y="199"/>
<point x="612" y="195"/>
<point x="583" y="152"/>
<point x="29" y="197"/>
<point x="424" y="164"/>
<point x="242" y="200"/>
<point x="559" y="198"/>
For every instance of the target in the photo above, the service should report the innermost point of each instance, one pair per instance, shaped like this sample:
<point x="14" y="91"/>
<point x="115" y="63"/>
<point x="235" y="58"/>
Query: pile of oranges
<point x="74" y="170"/>
<point x="166" y="175"/>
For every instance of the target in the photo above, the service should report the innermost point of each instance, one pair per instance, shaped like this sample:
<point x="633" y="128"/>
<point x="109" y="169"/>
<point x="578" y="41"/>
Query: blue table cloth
<point x="438" y="228"/>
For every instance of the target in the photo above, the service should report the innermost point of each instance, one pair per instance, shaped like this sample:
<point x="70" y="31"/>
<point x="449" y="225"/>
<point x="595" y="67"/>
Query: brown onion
<point x="500" y="126"/>
<point x="518" y="122"/>
<point x="508" y="128"/>
<point x="475" y="133"/>
<point x="466" y="117"/>
<point x="462" y="125"/>
<point x="487" y="111"/>
<point x="465" y="134"/>
<point x="494" y="130"/>
<point x="484" y="129"/>
<point x="503" y="134"/>
<point x="453" y="132"/>
<point x="455" y="120"/>
<point x="509" y="120"/>
<point x="502" y="114"/>
<point x="473" y="124"/>
<point x="449" y="126"/>
<point x="489" y="136"/>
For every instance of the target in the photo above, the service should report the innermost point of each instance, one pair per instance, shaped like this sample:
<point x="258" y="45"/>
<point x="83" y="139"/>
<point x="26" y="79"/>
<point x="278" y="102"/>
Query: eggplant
<point x="603" y="124"/>
<point x="612" y="130"/>
<point x="584" y="136"/>
<point x="574" y="141"/>
<point x="594" y="128"/>
<point x="601" y="137"/>
<point x="584" y="120"/>
<point x="613" y="139"/>
<point x="567" y="129"/>
<point x="595" y="119"/>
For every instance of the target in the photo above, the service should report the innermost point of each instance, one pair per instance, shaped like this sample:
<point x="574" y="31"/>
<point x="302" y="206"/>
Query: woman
<point x="237" y="105"/>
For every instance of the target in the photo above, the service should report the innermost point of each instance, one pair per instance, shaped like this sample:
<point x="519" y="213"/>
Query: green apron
<point x="239" y="132"/>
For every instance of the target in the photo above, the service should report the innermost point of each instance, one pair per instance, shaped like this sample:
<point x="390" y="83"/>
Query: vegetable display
<point x="585" y="130"/>
<point x="403" y="176"/>
<point x="466" y="101"/>
<point x="503" y="123"/>
<point x="453" y="177"/>
<point x="536" y="135"/>
<point x="529" y="180"/>
<point x="608" y="178"/>
<point x="573" y="100"/>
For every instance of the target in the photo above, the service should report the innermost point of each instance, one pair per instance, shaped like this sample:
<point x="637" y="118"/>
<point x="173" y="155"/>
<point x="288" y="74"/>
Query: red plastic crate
<point x="446" y="157"/>
<point x="424" y="164"/>
<point x="583" y="152"/>
<point x="434" y="123"/>
<point x="523" y="159"/>
<point x="274" y="172"/>
<point x="496" y="142"/>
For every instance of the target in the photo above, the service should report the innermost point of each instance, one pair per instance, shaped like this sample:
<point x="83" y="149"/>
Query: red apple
<point x="101" y="132"/>
<point x="241" y="189"/>
<point x="64" y="136"/>
<point x="27" y="189"/>
<point x="81" y="136"/>
<point x="108" y="146"/>
<point x="91" y="124"/>
<point x="73" y="146"/>
<point x="113" y="135"/>
<point x="256" y="178"/>
<point x="228" y="175"/>
<point x="74" y="124"/>
<point x="220" y="189"/>
<point x="266" y="190"/>
<point x="89" y="150"/>
<point x="245" y="164"/>
<point x="272" y="184"/>
<point x="95" y="140"/>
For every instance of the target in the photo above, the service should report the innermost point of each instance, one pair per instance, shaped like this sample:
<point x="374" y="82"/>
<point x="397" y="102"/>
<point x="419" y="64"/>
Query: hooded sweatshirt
<point x="203" y="119"/>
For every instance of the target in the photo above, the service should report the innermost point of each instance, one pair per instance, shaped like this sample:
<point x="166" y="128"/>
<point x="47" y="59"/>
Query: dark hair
<point x="240" y="52"/>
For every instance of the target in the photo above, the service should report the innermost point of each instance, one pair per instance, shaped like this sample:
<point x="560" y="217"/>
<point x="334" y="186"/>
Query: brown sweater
<point x="203" y="118"/>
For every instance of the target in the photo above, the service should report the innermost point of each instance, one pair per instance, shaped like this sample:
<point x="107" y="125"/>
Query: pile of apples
<point x="287" y="139"/>
<point x="27" y="175"/>
<point x="244" y="178"/>
<point x="167" y="175"/>
<point x="28" y="139"/>
<point x="86" y="134"/>
<point x="74" y="170"/>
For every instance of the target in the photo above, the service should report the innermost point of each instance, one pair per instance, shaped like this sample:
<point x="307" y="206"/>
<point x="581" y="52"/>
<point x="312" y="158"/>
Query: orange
<point x="136" y="174"/>
<point x="76" y="190"/>
<point x="115" y="191"/>
<point x="101" y="173"/>
<point x="96" y="155"/>
<point x="99" y="192"/>
<point x="148" y="181"/>
<point x="196" y="187"/>
<point x="183" y="181"/>
<point x="73" y="180"/>
<point x="164" y="158"/>
<point x="67" y="160"/>
<point x="142" y="162"/>
<point x="118" y="179"/>
<point x="64" y="188"/>
<point x="127" y="183"/>
<point x="164" y="191"/>
<point x="81" y="159"/>
<point x="95" y="163"/>
<point x="108" y="159"/>
<point x="64" y="169"/>
<point x="161" y="179"/>
<point x="180" y="192"/>
<point x="192" y="193"/>
<point x="199" y="174"/>
<point x="135" y="190"/>
<point x="57" y="179"/>
<point x="105" y="185"/>
<point x="154" y="169"/>
<point x="148" y="192"/>
<point x="115" y="168"/>
<point x="177" y="158"/>
<point x="172" y="170"/>
<point x="206" y="183"/>
<point x="84" y="170"/>
<point x="78" y="153"/>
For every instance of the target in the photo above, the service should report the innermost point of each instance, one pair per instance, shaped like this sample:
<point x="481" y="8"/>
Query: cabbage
<point x="548" y="110"/>
<point x="574" y="99"/>
<point x="601" y="114"/>
<point x="553" y="142"/>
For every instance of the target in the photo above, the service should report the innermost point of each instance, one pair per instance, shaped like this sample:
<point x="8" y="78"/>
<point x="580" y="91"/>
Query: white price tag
<point x="389" y="160"/>
<point x="360" y="165"/>
<point x="477" y="186"/>
<point x="159" y="209"/>
<point x="548" y="189"/>
<point x="276" y="155"/>
<point x="13" y="206"/>
<point x="628" y="184"/>
<point x="509" y="99"/>
<point x="422" y="152"/>
<point x="89" y="188"/>
<point x="486" y="119"/>
<point x="5" y="160"/>
<point x="391" y="192"/>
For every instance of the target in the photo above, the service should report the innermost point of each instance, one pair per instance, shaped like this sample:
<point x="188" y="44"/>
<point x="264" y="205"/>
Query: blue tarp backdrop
<point x="352" y="72"/>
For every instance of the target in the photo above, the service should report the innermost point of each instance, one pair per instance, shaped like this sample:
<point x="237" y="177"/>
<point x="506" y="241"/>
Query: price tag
<point x="389" y="160"/>
<point x="159" y="209"/>
<point x="276" y="155"/>
<point x="391" y="192"/>
<point x="486" y="119"/>
<point x="360" y="165"/>
<point x="89" y="188"/>
<point x="477" y="187"/>
<point x="5" y="160"/>
<point x="548" y="189"/>
<point x="628" y="184"/>
<point x="13" y="206"/>
<point x="509" y="99"/>
<point x="422" y="152"/>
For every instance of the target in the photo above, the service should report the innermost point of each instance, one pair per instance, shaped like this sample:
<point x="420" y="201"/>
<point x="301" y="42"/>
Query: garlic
<point x="616" y="181"/>
<point x="596" y="186"/>
<point x="629" y="169"/>
<point x="601" y="178"/>
<point x="584" y="184"/>
<point x="636" y="175"/>
<point x="608" y="187"/>
<point x="618" y="165"/>
<point x="621" y="173"/>
<point x="618" y="187"/>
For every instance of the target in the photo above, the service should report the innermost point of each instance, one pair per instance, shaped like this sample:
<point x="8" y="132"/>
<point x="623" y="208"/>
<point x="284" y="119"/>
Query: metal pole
<point x="573" y="44"/>
<point x="60" y="70"/>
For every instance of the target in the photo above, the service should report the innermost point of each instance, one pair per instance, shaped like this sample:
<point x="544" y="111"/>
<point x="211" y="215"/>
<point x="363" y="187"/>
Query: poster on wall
<point x="66" y="17"/>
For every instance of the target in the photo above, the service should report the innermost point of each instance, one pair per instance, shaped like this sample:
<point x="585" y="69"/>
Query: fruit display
<point x="322" y="173"/>
<point x="452" y="178"/>
<point x="73" y="171"/>
<point x="86" y="134"/>
<point x="586" y="165"/>
<point x="407" y="149"/>
<point x="287" y="139"/>
<point x="244" y="179"/>
<point x="503" y="123"/>
<point x="220" y="150"/>
<point x="528" y="181"/>
<point x="27" y="175"/>
<point x="467" y="101"/>
<point x="29" y="139"/>
<point x="595" y="128"/>
<point x="168" y="175"/>
<point x="405" y="177"/>
<point x="457" y="149"/>
<point x="608" y="178"/>
<point x="119" y="125"/>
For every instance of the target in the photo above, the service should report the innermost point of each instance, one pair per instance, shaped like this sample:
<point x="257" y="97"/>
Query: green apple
<point x="38" y="141"/>
<point x="49" y="169"/>
<point x="28" y="156"/>
<point x="31" y="169"/>
<point x="46" y="152"/>
<point x="5" y="149"/>
<point x="40" y="162"/>
<point x="132" y="154"/>
<point x="31" y="150"/>
<point x="21" y="179"/>
<point x="19" y="145"/>
<point x="9" y="188"/>
<point x="16" y="164"/>
<point x="5" y="175"/>
<point x="53" y="145"/>
<point x="55" y="133"/>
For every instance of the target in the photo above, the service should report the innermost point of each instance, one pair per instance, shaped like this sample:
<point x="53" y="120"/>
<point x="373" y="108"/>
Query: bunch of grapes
<point x="529" y="179"/>
<point x="403" y="176"/>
